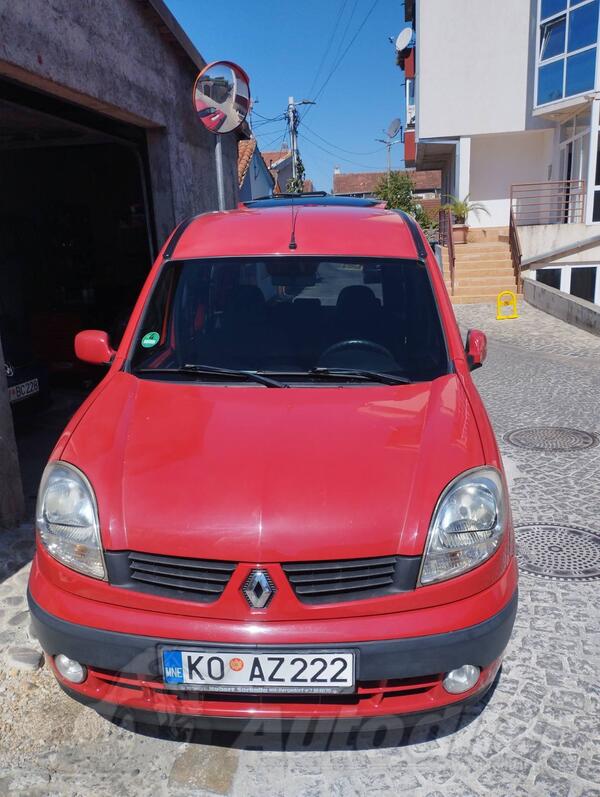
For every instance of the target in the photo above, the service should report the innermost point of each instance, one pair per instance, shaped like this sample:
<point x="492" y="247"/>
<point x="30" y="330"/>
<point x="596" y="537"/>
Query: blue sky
<point x="282" y="44"/>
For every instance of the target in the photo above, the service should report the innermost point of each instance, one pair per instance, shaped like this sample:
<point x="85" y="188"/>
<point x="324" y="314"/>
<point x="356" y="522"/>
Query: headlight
<point x="466" y="527"/>
<point x="67" y="519"/>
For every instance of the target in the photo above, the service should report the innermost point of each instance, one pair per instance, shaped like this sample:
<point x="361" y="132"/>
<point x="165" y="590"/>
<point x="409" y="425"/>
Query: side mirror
<point x="476" y="348"/>
<point x="92" y="346"/>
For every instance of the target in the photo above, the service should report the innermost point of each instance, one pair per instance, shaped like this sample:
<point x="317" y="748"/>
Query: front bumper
<point x="394" y="676"/>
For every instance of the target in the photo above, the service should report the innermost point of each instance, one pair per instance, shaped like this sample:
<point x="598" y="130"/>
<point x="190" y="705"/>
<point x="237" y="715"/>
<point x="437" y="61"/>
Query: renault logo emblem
<point x="258" y="589"/>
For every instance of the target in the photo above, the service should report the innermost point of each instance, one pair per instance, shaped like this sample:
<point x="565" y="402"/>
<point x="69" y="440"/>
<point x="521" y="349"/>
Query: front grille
<point x="352" y="579"/>
<point x="200" y="580"/>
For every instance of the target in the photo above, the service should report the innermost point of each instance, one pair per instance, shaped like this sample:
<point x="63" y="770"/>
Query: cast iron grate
<point x="565" y="553"/>
<point x="551" y="438"/>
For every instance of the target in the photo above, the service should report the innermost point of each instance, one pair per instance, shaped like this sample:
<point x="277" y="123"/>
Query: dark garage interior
<point x="76" y="246"/>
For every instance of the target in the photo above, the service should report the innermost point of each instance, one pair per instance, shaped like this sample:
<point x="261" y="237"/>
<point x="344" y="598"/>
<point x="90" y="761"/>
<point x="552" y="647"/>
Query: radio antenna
<point x="292" y="244"/>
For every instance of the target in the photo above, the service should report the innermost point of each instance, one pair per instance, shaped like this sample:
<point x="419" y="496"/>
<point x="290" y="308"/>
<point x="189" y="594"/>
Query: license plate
<point x="25" y="389"/>
<point x="235" y="671"/>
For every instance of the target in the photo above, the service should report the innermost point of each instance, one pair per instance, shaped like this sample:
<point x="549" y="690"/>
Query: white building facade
<point x="507" y="100"/>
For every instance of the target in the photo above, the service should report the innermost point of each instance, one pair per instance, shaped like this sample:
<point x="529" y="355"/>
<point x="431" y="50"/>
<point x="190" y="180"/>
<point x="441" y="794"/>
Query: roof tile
<point x="366" y="182"/>
<point x="245" y="152"/>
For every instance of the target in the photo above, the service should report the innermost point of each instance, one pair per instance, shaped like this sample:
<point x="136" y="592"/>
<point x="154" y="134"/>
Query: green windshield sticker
<point x="150" y="339"/>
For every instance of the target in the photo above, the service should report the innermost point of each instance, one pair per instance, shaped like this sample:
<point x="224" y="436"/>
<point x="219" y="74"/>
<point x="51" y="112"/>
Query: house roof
<point x="245" y="152"/>
<point x="274" y="159"/>
<point x="366" y="182"/>
<point x="173" y="30"/>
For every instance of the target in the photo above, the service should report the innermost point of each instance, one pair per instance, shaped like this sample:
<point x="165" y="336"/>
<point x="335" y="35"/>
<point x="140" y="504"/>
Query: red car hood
<point x="259" y="475"/>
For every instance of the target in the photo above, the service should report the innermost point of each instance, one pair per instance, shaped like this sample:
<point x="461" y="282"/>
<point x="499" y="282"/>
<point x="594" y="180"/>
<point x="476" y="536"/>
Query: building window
<point x="410" y="102"/>
<point x="552" y="38"/>
<point x="568" y="38"/>
<point x="581" y="69"/>
<point x="583" y="26"/>
<point x="550" y="7"/>
<point x="583" y="282"/>
<point x="550" y="82"/>
<point x="549" y="276"/>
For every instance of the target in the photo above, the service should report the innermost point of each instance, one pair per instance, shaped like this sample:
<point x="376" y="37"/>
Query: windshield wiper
<point x="192" y="368"/>
<point x="361" y="373"/>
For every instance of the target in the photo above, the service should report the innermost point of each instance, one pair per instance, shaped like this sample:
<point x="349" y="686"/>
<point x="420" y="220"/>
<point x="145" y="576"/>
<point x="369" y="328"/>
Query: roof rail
<point x="313" y="198"/>
<point x="291" y="195"/>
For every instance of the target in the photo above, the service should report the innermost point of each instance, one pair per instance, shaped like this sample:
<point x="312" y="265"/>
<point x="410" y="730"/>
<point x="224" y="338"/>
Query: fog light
<point x="70" y="669"/>
<point x="462" y="679"/>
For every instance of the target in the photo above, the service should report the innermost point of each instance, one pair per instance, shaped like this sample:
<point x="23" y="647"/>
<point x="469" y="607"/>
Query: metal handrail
<point x="446" y="239"/>
<point x="551" y="202"/>
<point x="515" y="250"/>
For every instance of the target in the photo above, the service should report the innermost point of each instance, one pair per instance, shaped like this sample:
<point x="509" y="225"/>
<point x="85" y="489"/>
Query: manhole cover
<point x="551" y="438"/>
<point x="561" y="552"/>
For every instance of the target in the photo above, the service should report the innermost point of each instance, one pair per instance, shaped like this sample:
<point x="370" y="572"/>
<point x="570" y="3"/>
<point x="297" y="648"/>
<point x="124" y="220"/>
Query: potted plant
<point x="460" y="209"/>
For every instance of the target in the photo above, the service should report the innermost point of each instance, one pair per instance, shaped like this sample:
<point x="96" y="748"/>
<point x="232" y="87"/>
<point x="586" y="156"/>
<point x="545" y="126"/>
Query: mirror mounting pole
<point x="219" y="168"/>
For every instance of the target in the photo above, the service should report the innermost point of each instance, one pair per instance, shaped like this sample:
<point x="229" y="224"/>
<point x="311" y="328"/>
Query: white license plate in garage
<point x="22" y="391"/>
<point x="233" y="671"/>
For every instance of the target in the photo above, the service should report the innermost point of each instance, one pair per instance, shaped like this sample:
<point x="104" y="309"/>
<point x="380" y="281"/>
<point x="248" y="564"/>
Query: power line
<point x="342" y="56"/>
<point x="263" y="125"/>
<point x="267" y="118"/>
<point x="341" y="149"/>
<point x="279" y="137"/>
<point x="343" y="39"/>
<point x="338" y="19"/>
<point x="339" y="47"/>
<point x="339" y="157"/>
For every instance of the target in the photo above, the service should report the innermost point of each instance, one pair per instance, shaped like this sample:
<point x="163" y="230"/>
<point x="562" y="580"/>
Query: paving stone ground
<point x="539" y="733"/>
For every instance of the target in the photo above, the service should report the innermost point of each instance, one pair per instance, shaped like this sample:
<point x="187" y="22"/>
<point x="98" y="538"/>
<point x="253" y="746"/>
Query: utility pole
<point x="389" y="144"/>
<point x="293" y="125"/>
<point x="293" y="122"/>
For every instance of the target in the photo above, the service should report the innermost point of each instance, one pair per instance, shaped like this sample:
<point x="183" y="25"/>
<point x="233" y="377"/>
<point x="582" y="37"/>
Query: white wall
<point x="542" y="238"/>
<point x="475" y="67"/>
<point x="499" y="161"/>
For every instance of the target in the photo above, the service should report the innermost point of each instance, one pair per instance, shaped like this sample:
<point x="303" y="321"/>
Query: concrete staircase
<point x="483" y="267"/>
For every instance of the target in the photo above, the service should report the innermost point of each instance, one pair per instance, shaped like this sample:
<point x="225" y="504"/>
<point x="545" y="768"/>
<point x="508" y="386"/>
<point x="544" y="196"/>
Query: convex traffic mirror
<point x="222" y="96"/>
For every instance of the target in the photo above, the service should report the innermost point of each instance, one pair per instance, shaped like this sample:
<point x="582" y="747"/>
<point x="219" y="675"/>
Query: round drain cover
<point x="551" y="438"/>
<point x="566" y="553"/>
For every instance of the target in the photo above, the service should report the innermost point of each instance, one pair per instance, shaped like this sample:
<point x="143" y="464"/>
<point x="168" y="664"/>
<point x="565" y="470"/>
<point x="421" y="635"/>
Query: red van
<point x="285" y="499"/>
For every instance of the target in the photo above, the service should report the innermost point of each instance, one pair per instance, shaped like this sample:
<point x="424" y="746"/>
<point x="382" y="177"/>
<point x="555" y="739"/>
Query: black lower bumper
<point x="391" y="658"/>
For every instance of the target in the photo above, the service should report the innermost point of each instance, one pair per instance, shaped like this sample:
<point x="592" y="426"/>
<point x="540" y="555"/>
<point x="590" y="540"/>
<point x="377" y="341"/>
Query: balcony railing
<point x="552" y="202"/>
<point x="446" y="239"/>
<point x="515" y="251"/>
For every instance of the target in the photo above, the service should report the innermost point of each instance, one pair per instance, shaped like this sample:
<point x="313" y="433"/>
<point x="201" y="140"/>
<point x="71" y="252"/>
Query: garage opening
<point x="77" y="243"/>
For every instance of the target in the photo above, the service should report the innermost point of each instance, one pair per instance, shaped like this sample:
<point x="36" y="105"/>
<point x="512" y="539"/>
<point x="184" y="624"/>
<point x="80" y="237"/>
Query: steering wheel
<point x="360" y="343"/>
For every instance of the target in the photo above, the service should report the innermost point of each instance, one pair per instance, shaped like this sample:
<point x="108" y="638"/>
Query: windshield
<point x="290" y="315"/>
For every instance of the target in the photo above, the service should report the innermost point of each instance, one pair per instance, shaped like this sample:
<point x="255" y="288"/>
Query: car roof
<point x="319" y="198"/>
<point x="359" y="228"/>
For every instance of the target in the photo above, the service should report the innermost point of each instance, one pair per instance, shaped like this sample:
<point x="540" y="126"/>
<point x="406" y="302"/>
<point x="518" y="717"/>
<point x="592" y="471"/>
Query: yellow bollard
<point x="507" y="300"/>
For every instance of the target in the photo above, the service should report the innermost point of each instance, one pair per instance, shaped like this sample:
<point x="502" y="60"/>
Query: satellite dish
<point x="393" y="128"/>
<point x="404" y="38"/>
<point x="221" y="96"/>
